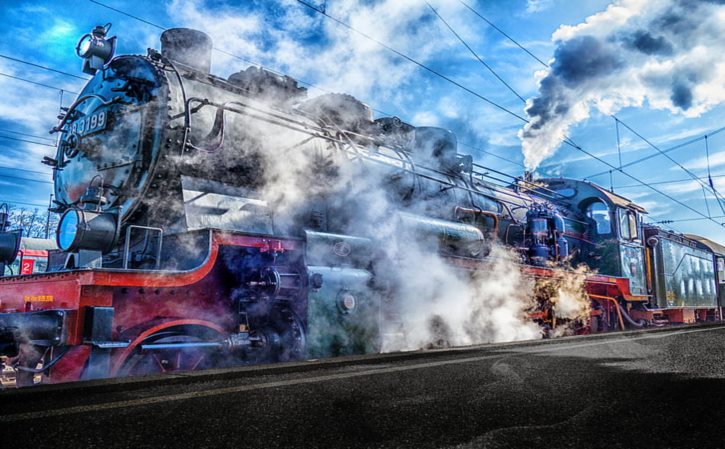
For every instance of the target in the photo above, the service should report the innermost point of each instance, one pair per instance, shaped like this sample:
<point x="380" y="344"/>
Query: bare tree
<point x="36" y="223"/>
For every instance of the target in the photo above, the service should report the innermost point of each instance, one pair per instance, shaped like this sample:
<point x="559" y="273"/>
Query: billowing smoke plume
<point x="663" y="52"/>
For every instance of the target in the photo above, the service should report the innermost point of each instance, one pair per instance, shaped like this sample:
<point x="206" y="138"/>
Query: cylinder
<point x="460" y="238"/>
<point x="191" y="48"/>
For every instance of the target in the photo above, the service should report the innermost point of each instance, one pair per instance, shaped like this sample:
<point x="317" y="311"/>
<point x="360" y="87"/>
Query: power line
<point x="475" y="55"/>
<point x="692" y="175"/>
<point x="129" y="15"/>
<point x="43" y="67"/>
<point x="568" y="141"/>
<point x="676" y="147"/>
<point x="23" y="169"/>
<point x="491" y="154"/>
<point x="647" y="185"/>
<point x="617" y="120"/>
<point x="23" y="203"/>
<point x="25" y="179"/>
<point x="352" y="29"/>
<point x="26" y="135"/>
<point x="684" y="219"/>
<point x="314" y="86"/>
<point x="675" y="181"/>
<point x="37" y="83"/>
<point x="503" y="33"/>
<point x="217" y="49"/>
<point x="572" y="143"/>
<point x="26" y="141"/>
<point x="408" y="58"/>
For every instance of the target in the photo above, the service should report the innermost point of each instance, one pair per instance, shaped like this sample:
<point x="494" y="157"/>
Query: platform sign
<point x="27" y="266"/>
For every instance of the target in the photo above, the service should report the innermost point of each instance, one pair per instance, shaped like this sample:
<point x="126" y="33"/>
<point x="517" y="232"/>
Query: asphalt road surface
<point x="661" y="389"/>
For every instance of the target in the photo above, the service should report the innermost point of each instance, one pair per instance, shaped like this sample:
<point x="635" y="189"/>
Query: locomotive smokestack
<point x="189" y="47"/>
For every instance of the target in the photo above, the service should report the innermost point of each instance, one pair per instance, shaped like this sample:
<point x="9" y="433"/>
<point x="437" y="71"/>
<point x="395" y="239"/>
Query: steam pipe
<point x="212" y="344"/>
<point x="485" y="213"/>
<point x="307" y="129"/>
<point x="616" y="307"/>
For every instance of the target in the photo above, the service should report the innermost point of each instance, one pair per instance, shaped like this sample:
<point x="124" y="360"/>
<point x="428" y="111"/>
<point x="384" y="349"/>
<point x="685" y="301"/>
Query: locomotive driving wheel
<point x="175" y="349"/>
<point x="287" y="341"/>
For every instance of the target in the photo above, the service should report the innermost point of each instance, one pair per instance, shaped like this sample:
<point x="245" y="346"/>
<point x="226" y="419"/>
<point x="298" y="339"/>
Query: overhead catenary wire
<point x="19" y="78"/>
<point x="26" y="141"/>
<point x="503" y="33"/>
<point x="682" y="220"/>
<point x="408" y="58"/>
<point x="620" y="169"/>
<point x="24" y="203"/>
<point x="26" y="134"/>
<point x="632" y="177"/>
<point x="43" y="67"/>
<point x="674" y="181"/>
<point x="492" y="154"/>
<point x="7" y="167"/>
<point x="314" y="86"/>
<point x="568" y="141"/>
<point x="661" y="152"/>
<point x="668" y="150"/>
<point x="414" y="61"/>
<point x="19" y="178"/>
<point x="617" y="120"/>
<point x="475" y="55"/>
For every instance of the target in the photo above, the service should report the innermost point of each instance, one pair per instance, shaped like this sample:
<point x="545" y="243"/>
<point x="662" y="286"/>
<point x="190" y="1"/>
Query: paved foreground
<point x="663" y="389"/>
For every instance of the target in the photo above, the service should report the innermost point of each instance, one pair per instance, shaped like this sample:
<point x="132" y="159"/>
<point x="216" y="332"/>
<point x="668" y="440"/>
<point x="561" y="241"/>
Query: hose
<point x="638" y="323"/>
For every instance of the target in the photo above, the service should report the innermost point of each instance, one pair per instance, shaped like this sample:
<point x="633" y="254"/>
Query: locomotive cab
<point x="611" y="241"/>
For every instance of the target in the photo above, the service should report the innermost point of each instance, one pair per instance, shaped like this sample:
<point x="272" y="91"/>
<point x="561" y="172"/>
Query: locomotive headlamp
<point x="9" y="247"/>
<point x="95" y="49"/>
<point x="9" y="240"/>
<point x="84" y="229"/>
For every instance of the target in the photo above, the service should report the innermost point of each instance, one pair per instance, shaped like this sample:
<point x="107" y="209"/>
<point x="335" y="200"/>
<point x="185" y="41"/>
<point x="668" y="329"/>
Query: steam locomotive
<point x="209" y="221"/>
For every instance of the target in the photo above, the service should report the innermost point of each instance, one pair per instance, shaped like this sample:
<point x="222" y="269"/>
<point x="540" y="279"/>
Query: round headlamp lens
<point x="84" y="45"/>
<point x="67" y="229"/>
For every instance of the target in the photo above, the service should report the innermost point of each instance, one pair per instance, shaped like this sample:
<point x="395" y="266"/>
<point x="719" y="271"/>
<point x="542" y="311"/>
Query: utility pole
<point x="47" y="217"/>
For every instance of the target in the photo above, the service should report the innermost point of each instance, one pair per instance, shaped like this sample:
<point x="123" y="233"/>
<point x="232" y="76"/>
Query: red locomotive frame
<point x="148" y="303"/>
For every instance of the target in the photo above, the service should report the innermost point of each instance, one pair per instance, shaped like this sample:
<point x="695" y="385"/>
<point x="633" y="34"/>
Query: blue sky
<point x="288" y="37"/>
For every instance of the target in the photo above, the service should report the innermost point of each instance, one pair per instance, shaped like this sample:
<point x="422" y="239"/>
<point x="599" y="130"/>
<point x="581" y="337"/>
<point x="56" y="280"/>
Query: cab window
<point x="599" y="212"/>
<point x="628" y="224"/>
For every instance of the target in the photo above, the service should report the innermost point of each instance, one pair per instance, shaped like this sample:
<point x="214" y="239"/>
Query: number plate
<point x="90" y="123"/>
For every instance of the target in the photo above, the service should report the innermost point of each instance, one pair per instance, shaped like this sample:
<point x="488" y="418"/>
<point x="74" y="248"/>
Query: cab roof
<point x="578" y="192"/>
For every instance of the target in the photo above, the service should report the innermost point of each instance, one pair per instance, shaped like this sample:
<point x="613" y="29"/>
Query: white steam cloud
<point x="661" y="52"/>
<point x="438" y="304"/>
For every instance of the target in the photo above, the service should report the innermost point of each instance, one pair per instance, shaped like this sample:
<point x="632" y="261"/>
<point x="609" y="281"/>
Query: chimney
<point x="191" y="48"/>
